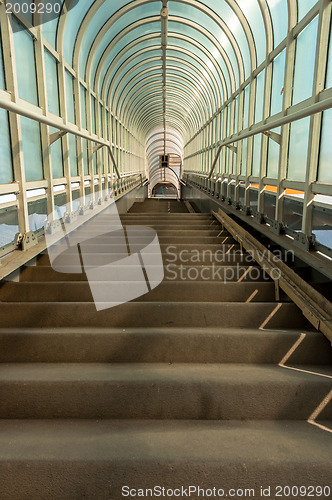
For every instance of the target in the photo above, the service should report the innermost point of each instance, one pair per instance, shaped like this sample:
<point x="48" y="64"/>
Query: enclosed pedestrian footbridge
<point x="165" y="249"/>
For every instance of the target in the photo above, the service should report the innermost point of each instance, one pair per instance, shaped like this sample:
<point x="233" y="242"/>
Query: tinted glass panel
<point x="278" y="83"/>
<point x="273" y="156"/>
<point x="305" y="62"/>
<point x="304" y="6"/>
<point x="259" y="97"/>
<point x="31" y="150"/>
<point x="2" y="69"/>
<point x="6" y="170"/>
<point x="279" y="14"/>
<point x="70" y="97"/>
<point x="257" y="155"/>
<point x="51" y="83"/>
<point x="298" y="149"/>
<point x="56" y="156"/>
<point x="25" y="64"/>
<point x="328" y="82"/>
<point x="325" y="160"/>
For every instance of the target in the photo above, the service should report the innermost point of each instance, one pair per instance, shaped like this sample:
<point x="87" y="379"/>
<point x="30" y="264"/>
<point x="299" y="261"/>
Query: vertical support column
<point x="99" y="121"/>
<point x="105" y="155"/>
<point x="64" y="139"/>
<point x="266" y="103"/>
<point x="324" y="24"/>
<point x="288" y="92"/>
<point x="14" y="120"/>
<point x="89" y="112"/>
<point x="239" y="149"/>
<point x="79" y="140"/>
<point x="164" y="42"/>
<point x="223" y="158"/>
<point x="42" y="93"/>
<point x="231" y="149"/>
<point x="251" y="118"/>
<point x="116" y="141"/>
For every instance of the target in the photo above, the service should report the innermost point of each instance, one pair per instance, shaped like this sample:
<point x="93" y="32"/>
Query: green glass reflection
<point x="69" y="82"/>
<point x="236" y="118"/>
<point x="253" y="13"/>
<point x="83" y="107"/>
<point x="51" y="83"/>
<point x="244" y="156"/>
<point x="279" y="14"/>
<point x="256" y="159"/>
<point x="325" y="170"/>
<point x="25" y="64"/>
<point x="31" y="145"/>
<point x="2" y="69"/>
<point x="85" y="156"/>
<point x="305" y="62"/>
<point x="328" y="81"/>
<point x="273" y="156"/>
<point x="93" y="114"/>
<point x="304" y="6"/>
<point x="6" y="169"/>
<point x="246" y="107"/>
<point x="259" y="96"/>
<point x="278" y="83"/>
<point x="298" y="149"/>
<point x="72" y="154"/>
<point x="56" y="156"/>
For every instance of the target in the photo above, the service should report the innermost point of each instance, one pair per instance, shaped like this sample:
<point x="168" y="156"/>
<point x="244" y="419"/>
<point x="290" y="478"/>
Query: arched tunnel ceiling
<point x="178" y="79"/>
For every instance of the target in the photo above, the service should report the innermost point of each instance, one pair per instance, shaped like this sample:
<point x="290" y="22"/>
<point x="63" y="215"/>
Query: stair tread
<point x="264" y="442"/>
<point x="144" y="313"/>
<point x="160" y="331"/>
<point x="154" y="373"/>
<point x="186" y="345"/>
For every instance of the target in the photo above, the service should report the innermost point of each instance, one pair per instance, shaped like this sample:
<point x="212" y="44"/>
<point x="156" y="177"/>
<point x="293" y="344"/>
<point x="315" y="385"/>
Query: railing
<point x="24" y="205"/>
<point x="224" y="190"/>
<point x="315" y="307"/>
<point x="12" y="239"/>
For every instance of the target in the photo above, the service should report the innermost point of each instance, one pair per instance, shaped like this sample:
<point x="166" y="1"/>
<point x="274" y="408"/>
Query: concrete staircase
<point x="204" y="381"/>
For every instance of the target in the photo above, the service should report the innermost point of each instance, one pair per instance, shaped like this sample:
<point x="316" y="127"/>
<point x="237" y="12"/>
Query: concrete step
<point x="173" y="271"/>
<point x="183" y="253"/>
<point x="172" y="215"/>
<point x="162" y="215"/>
<point x="164" y="345"/>
<point x="171" y="227"/>
<point x="179" y="239"/>
<point x="94" y="459"/>
<point x="182" y="291"/>
<point x="205" y="219"/>
<point x="153" y="314"/>
<point x="165" y="230"/>
<point x="196" y="231"/>
<point x="160" y="206"/>
<point x="197" y="391"/>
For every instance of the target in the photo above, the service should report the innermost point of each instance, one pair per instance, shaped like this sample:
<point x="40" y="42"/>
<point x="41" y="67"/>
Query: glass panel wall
<point x="31" y="146"/>
<point x="25" y="64"/>
<point x="305" y="62"/>
<point x="325" y="158"/>
<point x="278" y="83"/>
<point x="52" y="84"/>
<point x="298" y="149"/>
